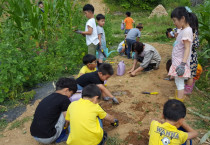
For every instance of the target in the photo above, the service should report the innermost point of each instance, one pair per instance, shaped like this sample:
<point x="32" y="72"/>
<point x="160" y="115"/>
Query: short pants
<point x="59" y="128"/>
<point x="92" y="49"/>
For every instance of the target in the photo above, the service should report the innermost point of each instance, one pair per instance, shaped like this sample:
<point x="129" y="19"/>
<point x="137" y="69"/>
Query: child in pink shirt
<point x="181" y="53"/>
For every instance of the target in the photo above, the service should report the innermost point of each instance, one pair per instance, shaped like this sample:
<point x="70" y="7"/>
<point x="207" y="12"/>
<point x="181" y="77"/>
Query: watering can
<point x="107" y="53"/>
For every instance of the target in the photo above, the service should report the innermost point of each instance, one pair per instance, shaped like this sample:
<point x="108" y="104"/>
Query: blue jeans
<point x="129" y="44"/>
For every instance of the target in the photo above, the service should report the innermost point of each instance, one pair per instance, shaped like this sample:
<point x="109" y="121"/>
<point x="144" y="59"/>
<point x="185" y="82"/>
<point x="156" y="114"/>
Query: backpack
<point x="121" y="68"/>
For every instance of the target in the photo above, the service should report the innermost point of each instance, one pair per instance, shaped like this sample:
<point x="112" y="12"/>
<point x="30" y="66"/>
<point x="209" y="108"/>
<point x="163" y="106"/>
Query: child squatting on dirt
<point x="49" y="117"/>
<point x="101" y="36"/>
<point x="168" y="133"/>
<point x="90" y="30"/>
<point x="90" y="63"/>
<point x="105" y="71"/>
<point x="147" y="55"/>
<point x="85" y="116"/>
<point x="181" y="53"/>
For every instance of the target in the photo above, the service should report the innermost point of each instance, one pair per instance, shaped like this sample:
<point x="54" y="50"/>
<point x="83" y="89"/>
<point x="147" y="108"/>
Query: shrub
<point x="37" y="46"/>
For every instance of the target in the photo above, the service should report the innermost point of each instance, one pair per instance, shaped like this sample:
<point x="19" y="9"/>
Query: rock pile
<point x="159" y="11"/>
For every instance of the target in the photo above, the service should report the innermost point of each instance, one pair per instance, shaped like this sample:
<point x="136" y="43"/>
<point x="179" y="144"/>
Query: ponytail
<point x="190" y="17"/>
<point x="193" y="22"/>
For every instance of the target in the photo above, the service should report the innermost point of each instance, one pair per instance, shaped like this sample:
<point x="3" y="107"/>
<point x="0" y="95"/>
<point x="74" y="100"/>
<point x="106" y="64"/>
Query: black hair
<point x="139" y="26"/>
<point x="91" y="91"/>
<point x="128" y="14"/>
<point x="69" y="83"/>
<point x="174" y="110"/>
<point x="168" y="31"/>
<point x="88" y="7"/>
<point x="138" y="46"/>
<point x="180" y="12"/>
<point x="99" y="17"/>
<point x="106" y="69"/>
<point x="89" y="58"/>
<point x="40" y="2"/>
<point x="168" y="65"/>
<point x="194" y="22"/>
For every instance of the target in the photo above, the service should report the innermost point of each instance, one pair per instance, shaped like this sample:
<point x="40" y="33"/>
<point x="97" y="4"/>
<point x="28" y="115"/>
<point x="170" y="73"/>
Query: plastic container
<point x="121" y="68"/>
<point x="122" y="26"/>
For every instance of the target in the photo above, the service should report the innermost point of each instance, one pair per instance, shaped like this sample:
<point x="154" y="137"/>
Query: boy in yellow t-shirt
<point x="90" y="63"/>
<point x="85" y="117"/>
<point x="167" y="133"/>
<point x="128" y="21"/>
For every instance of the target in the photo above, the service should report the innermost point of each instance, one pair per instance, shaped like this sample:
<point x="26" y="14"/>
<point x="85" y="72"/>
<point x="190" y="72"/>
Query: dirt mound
<point x="140" y="138"/>
<point x="159" y="11"/>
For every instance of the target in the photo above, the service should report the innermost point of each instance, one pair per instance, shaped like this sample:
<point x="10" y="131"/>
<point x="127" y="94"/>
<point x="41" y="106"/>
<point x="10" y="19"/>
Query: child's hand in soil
<point x="131" y="70"/>
<point x="133" y="74"/>
<point x="116" y="123"/>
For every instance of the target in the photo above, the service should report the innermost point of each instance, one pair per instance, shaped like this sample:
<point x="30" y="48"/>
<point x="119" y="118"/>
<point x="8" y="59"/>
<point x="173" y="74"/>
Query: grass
<point x="20" y="123"/>
<point x="154" y="28"/>
<point x="115" y="140"/>
<point x="200" y="103"/>
<point x="3" y="124"/>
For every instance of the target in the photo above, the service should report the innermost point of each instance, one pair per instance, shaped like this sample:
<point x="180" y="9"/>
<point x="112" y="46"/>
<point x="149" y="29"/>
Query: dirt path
<point x="99" y="5"/>
<point x="134" y="112"/>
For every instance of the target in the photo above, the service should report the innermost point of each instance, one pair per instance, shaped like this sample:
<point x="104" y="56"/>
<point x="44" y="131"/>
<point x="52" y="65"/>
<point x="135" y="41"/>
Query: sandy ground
<point x="134" y="112"/>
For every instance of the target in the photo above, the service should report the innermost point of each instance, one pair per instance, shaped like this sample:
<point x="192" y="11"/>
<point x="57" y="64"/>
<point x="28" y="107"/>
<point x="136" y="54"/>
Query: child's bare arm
<point x="89" y="32"/>
<point x="66" y="124"/>
<point x="105" y="91"/>
<point x="134" y="65"/>
<point x="99" y="37"/>
<point x="191" y="132"/>
<point x="109" y="118"/>
<point x="187" y="50"/>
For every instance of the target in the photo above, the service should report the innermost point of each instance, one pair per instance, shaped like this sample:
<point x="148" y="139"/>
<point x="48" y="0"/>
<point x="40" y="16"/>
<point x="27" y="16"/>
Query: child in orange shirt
<point x="128" y="23"/>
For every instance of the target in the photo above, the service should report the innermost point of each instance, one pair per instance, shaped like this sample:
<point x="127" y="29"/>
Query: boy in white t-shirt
<point x="90" y="30"/>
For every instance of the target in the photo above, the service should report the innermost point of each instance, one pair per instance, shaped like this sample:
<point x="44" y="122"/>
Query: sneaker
<point x="147" y="69"/>
<point x="107" y="98"/>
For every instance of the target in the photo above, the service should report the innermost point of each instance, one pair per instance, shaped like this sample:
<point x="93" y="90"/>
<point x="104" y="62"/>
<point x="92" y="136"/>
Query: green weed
<point x="20" y="123"/>
<point x="201" y="124"/>
<point x="115" y="140"/>
<point x="3" y="124"/>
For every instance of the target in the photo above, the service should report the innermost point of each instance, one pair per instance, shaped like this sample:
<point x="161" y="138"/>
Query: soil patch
<point x="122" y="93"/>
<point x="121" y="116"/>
<point x="140" y="138"/>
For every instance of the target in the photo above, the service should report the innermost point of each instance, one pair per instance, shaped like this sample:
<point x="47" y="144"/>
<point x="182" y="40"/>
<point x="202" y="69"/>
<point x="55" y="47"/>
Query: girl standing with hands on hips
<point x="181" y="53"/>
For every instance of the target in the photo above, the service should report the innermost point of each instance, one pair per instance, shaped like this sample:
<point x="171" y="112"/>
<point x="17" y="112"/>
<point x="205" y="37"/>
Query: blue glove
<point x="116" y="123"/>
<point x="180" y="69"/>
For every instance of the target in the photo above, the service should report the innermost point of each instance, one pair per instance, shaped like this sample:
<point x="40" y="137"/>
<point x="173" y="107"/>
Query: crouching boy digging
<point x="104" y="72"/>
<point x="49" y="117"/>
<point x="85" y="117"/>
<point x="174" y="112"/>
